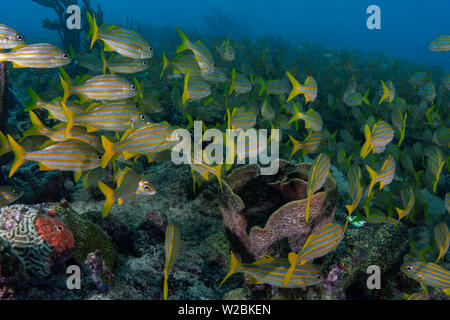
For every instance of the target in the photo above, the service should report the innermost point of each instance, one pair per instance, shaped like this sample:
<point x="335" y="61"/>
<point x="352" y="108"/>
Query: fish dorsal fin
<point x="265" y="259"/>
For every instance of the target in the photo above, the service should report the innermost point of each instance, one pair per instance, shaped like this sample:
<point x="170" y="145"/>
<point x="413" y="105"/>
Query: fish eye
<point x="15" y="191"/>
<point x="133" y="87"/>
<point x="150" y="48"/>
<point x="65" y="55"/>
<point x="19" y="37"/>
<point x="409" y="268"/>
<point x="319" y="276"/>
<point x="59" y="228"/>
<point x="99" y="157"/>
<point x="143" y="117"/>
<point x="147" y="187"/>
<point x="145" y="62"/>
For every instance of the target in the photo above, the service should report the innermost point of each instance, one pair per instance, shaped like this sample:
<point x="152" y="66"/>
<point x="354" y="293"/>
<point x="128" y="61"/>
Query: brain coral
<point x="37" y="239"/>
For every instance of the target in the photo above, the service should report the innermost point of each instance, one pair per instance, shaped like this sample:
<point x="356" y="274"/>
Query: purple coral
<point x="262" y="211"/>
<point x="332" y="282"/>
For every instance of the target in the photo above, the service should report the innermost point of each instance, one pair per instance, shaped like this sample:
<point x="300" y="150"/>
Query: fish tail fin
<point x="296" y="146"/>
<point x="34" y="129"/>
<point x="105" y="63"/>
<point x="233" y="81"/>
<point x="295" y="87"/>
<point x="373" y="175"/>
<point x="367" y="145"/>
<point x="66" y="88"/>
<point x="93" y="28"/>
<point x="297" y="114"/>
<point x="109" y="151"/>
<point x="19" y="155"/>
<point x="34" y="100"/>
<point x="308" y="205"/>
<point x="185" y="91"/>
<point x="261" y="91"/>
<point x="400" y="213"/>
<point x="366" y="101"/>
<point x="185" y="44"/>
<point x="4" y="144"/>
<point x="350" y="208"/>
<point x="109" y="194"/>
<point x="385" y="92"/>
<point x="166" y="63"/>
<point x="234" y="263"/>
<point x="166" y="286"/>
<point x="69" y="119"/>
<point x="292" y="257"/>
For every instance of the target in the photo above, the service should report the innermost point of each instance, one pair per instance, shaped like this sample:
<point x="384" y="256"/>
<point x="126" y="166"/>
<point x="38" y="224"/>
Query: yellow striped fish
<point x="312" y="143"/>
<point x="384" y="176"/>
<point x="226" y="51"/>
<point x="435" y="163"/>
<point x="239" y="83"/>
<point x="57" y="133"/>
<point x="429" y="274"/>
<point x="54" y="108"/>
<point x="195" y="88"/>
<point x="115" y="117"/>
<point x="89" y="61"/>
<point x="249" y="145"/>
<point x="388" y="92"/>
<point x="317" y="245"/>
<point x="199" y="165"/>
<point x="378" y="218"/>
<point x="417" y="296"/>
<point x="128" y="183"/>
<point x="202" y="54"/>
<point x="442" y="238"/>
<point x="267" y="111"/>
<point x="241" y="119"/>
<point x="149" y="139"/>
<point x="172" y="247"/>
<point x="9" y="194"/>
<point x="441" y="43"/>
<point x="64" y="156"/>
<point x="399" y="121"/>
<point x="313" y="120"/>
<point x="101" y="88"/>
<point x="277" y="87"/>
<point x="123" y="41"/>
<point x="182" y="63"/>
<point x="217" y="76"/>
<point x="408" y="199"/>
<point x="356" y="190"/>
<point x="377" y="139"/>
<point x="309" y="89"/>
<point x="273" y="271"/>
<point x="10" y="38"/>
<point x="39" y="55"/>
<point x="317" y="177"/>
<point x="125" y="65"/>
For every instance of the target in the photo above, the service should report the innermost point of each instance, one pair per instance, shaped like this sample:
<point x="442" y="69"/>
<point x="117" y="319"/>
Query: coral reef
<point x="101" y="276"/>
<point x="40" y="241"/>
<point x="262" y="212"/>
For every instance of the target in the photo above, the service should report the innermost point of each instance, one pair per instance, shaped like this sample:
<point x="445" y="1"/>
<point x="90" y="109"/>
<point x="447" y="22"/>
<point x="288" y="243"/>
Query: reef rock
<point x="265" y="214"/>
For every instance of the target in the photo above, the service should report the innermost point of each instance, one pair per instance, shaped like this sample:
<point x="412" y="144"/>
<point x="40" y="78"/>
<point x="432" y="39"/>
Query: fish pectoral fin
<point x="90" y="128"/>
<point x="18" y="65"/>
<point x="44" y="167"/>
<point x="253" y="280"/>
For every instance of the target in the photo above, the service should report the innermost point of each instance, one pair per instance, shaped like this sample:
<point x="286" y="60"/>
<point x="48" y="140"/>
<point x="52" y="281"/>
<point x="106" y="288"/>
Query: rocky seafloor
<point x="136" y="230"/>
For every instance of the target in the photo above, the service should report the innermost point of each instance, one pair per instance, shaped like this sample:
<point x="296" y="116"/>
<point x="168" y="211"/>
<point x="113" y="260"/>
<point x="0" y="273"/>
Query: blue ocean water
<point x="406" y="26"/>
